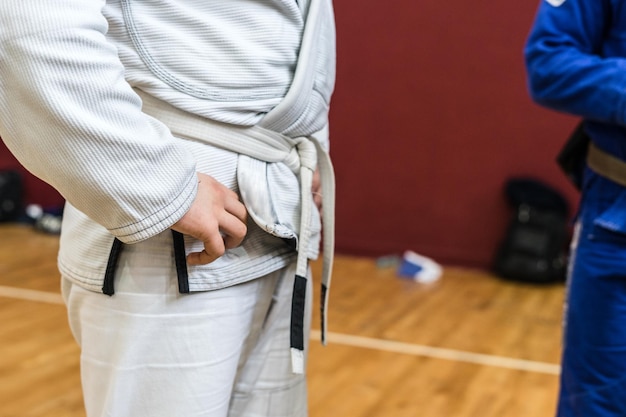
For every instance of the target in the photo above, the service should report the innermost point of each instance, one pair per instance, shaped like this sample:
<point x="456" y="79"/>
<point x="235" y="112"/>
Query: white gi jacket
<point x="70" y="71"/>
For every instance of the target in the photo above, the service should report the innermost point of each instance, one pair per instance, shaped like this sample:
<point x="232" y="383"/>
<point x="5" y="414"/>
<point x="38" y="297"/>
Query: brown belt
<point x="606" y="165"/>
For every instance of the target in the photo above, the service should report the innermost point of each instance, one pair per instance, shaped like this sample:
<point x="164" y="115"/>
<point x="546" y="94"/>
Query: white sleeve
<point x="70" y="118"/>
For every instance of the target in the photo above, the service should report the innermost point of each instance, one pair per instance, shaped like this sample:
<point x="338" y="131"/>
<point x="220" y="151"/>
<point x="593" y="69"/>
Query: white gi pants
<point x="149" y="351"/>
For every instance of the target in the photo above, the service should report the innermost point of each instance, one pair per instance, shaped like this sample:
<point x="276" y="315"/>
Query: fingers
<point x="317" y="199"/>
<point x="316" y="185"/>
<point x="204" y="257"/>
<point x="233" y="206"/>
<point x="232" y="223"/>
<point x="316" y="189"/>
<point x="229" y="235"/>
<point x="216" y="217"/>
<point x="233" y="230"/>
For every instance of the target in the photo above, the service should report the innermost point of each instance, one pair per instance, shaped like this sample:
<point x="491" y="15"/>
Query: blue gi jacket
<point x="576" y="62"/>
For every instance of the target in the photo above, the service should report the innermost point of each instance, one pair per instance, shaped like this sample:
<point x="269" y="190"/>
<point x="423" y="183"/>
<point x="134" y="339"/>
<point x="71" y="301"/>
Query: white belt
<point x="256" y="147"/>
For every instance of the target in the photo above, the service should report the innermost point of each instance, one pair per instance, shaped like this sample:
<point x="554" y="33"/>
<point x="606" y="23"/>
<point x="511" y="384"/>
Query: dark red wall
<point x="36" y="191"/>
<point x="430" y="117"/>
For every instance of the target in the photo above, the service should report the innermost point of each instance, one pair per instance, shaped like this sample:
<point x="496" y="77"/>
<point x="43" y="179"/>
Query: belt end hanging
<point x="297" y="324"/>
<point x="323" y="314"/>
<point x="297" y="361"/>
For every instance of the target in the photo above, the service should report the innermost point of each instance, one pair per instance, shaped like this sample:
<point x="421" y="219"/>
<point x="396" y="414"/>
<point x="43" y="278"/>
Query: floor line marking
<point x="31" y="295"/>
<point x="440" y="353"/>
<point x="356" y="341"/>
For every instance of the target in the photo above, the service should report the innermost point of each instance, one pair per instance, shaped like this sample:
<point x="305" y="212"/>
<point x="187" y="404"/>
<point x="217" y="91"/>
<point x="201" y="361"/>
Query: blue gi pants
<point x="593" y="380"/>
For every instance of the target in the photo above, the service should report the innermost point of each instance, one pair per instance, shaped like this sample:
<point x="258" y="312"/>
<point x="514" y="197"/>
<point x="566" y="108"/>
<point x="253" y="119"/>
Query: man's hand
<point x="216" y="217"/>
<point x="316" y="190"/>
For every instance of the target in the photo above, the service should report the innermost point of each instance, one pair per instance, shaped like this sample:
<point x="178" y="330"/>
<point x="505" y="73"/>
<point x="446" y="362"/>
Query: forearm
<point x="583" y="85"/>
<point x="69" y="116"/>
<point x="573" y="64"/>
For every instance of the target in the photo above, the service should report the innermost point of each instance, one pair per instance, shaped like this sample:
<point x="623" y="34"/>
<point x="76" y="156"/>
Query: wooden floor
<point x="467" y="345"/>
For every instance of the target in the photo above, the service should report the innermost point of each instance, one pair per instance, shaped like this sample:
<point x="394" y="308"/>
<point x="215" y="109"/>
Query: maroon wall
<point x="430" y="117"/>
<point x="36" y="191"/>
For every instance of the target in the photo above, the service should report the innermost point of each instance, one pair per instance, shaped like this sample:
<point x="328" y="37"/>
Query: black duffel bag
<point x="535" y="245"/>
<point x="11" y="195"/>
